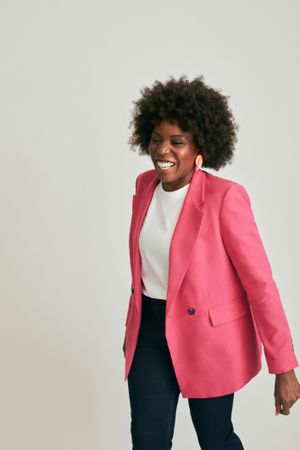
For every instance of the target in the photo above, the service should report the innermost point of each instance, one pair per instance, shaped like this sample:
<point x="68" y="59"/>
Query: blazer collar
<point x="195" y="193"/>
<point x="184" y="235"/>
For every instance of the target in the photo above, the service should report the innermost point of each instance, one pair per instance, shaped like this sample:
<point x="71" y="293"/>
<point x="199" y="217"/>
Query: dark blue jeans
<point x="154" y="391"/>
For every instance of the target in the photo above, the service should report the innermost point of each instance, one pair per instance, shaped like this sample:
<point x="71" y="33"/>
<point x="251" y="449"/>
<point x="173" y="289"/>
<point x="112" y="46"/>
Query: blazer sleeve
<point x="245" y="248"/>
<point x="137" y="187"/>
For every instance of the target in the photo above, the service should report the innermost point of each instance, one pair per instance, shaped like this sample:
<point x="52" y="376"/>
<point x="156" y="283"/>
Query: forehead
<point x="169" y="128"/>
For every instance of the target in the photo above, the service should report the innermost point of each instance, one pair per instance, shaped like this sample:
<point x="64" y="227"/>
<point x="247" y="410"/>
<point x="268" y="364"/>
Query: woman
<point x="203" y="300"/>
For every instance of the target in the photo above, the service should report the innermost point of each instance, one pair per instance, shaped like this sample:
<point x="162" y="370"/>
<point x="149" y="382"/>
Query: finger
<point x="285" y="409"/>
<point x="277" y="407"/>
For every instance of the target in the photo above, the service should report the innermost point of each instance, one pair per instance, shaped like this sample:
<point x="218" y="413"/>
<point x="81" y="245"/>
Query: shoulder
<point x="219" y="183"/>
<point x="220" y="187"/>
<point x="143" y="179"/>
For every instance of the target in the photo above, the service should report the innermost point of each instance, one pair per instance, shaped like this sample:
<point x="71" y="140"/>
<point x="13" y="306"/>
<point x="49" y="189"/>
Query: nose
<point x="164" y="153"/>
<point x="165" y="149"/>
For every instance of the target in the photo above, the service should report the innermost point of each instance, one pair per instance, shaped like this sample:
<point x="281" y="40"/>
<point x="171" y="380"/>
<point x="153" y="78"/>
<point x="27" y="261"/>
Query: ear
<point x="199" y="160"/>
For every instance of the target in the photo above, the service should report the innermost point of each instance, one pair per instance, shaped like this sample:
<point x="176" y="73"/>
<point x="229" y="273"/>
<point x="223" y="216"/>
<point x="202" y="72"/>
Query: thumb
<point x="277" y="407"/>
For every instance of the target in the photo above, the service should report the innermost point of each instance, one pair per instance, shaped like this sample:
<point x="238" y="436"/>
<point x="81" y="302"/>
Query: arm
<point x="245" y="248"/>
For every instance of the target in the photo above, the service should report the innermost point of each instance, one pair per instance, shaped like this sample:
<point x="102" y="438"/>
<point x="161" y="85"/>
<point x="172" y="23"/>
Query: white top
<point x="155" y="238"/>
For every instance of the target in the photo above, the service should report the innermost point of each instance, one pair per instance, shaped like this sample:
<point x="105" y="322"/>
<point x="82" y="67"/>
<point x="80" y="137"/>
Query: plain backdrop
<point x="70" y="71"/>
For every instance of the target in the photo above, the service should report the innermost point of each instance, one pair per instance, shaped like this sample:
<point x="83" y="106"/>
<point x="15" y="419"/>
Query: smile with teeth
<point x="165" y="164"/>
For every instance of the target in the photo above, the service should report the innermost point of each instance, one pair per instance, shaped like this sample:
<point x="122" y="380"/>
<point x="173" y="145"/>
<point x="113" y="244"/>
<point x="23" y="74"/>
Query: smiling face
<point x="168" y="142"/>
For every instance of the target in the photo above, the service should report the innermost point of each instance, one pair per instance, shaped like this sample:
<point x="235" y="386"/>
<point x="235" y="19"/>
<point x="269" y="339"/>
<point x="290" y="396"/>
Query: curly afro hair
<point x="195" y="108"/>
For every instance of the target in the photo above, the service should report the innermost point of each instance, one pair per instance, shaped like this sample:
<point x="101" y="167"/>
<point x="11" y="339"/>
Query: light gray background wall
<point x="69" y="72"/>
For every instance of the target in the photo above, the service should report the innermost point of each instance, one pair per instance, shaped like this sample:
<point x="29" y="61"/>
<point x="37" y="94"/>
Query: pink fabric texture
<point x="223" y="305"/>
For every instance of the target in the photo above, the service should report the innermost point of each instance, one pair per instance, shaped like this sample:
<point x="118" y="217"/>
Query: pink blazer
<point x="222" y="301"/>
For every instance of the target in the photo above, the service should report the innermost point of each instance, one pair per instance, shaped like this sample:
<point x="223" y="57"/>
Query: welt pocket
<point x="229" y="311"/>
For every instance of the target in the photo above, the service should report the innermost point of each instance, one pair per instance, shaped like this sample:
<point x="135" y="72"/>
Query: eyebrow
<point x="173" y="135"/>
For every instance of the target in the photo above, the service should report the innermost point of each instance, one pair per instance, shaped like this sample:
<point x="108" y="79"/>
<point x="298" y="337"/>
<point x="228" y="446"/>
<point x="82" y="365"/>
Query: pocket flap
<point x="229" y="310"/>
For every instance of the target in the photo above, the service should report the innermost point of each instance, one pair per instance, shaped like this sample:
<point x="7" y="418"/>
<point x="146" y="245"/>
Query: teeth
<point x="165" y="164"/>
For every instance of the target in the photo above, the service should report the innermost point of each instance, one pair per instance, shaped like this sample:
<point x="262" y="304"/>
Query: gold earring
<point x="199" y="162"/>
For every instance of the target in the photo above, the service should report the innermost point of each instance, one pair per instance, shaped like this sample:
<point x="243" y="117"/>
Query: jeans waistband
<point x="154" y="304"/>
<point x="160" y="300"/>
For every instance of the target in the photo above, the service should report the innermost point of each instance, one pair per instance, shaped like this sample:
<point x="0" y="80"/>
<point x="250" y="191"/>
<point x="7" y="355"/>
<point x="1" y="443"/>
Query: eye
<point x="155" y="140"/>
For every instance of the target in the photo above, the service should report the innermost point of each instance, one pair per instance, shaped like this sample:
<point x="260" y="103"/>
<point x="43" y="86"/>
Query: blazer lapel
<point x="184" y="235"/>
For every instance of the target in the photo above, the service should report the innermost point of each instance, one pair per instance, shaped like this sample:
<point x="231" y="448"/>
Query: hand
<point x="286" y="392"/>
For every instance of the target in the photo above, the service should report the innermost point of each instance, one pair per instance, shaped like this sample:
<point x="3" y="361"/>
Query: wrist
<point x="289" y="372"/>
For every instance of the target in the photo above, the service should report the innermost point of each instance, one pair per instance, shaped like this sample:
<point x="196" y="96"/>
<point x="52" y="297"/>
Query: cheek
<point x="150" y="150"/>
<point x="187" y="160"/>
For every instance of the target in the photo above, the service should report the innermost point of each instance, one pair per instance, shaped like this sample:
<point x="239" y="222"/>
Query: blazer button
<point x="191" y="310"/>
<point x="132" y="290"/>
